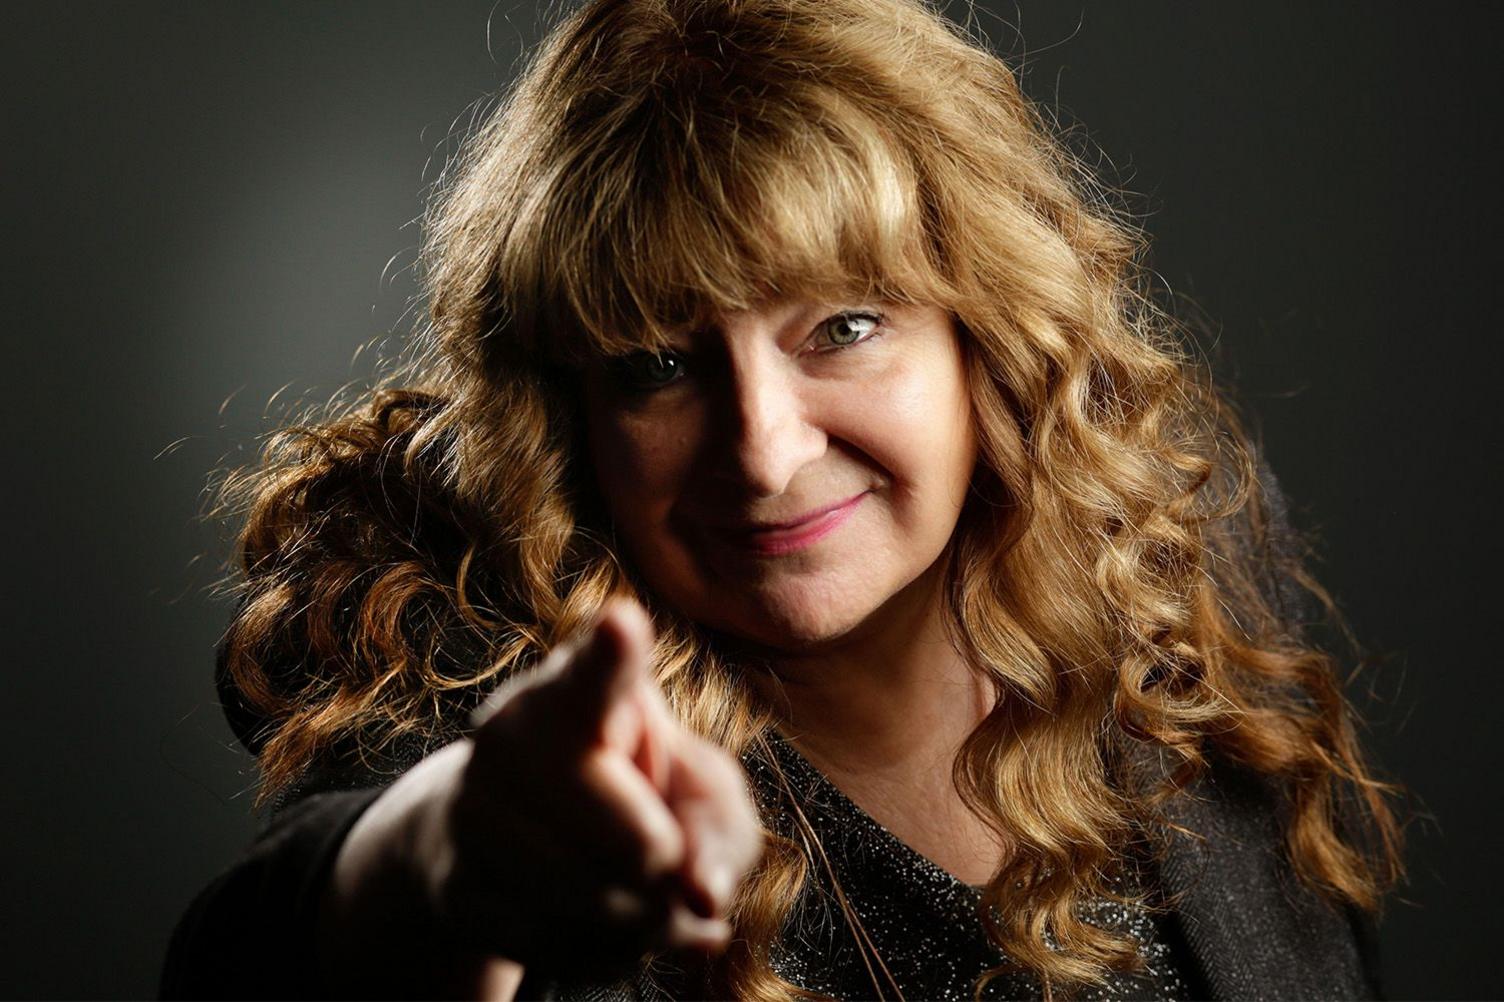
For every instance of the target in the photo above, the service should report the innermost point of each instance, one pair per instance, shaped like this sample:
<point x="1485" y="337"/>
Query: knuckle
<point x="752" y="847"/>
<point x="658" y="854"/>
<point x="718" y="762"/>
<point x="658" y="847"/>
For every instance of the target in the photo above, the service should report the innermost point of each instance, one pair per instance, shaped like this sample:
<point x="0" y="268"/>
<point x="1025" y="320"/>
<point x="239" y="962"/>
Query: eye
<point x="644" y="371"/>
<point x="846" y="329"/>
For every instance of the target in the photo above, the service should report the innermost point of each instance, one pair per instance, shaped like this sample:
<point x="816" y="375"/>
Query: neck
<point x="892" y="697"/>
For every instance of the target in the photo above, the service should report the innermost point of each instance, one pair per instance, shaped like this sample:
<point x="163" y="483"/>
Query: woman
<point x="800" y="560"/>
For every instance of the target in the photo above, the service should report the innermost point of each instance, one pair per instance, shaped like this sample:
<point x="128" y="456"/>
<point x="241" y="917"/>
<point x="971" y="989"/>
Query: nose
<point x="770" y="424"/>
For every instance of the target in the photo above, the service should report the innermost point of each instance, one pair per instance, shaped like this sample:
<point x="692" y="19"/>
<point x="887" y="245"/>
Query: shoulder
<point x="1254" y="927"/>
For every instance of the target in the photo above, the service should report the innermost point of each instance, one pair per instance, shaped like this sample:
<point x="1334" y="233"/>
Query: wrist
<point x="379" y="920"/>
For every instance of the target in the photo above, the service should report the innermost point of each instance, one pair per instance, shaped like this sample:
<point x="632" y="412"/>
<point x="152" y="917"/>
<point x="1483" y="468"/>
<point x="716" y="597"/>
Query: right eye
<point x="645" y="371"/>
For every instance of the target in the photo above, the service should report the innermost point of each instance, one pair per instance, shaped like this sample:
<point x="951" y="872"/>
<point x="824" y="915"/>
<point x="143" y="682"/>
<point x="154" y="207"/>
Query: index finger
<point x="708" y="793"/>
<point x="592" y="671"/>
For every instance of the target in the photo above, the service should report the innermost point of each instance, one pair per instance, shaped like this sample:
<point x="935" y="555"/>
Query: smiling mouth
<point x="788" y="537"/>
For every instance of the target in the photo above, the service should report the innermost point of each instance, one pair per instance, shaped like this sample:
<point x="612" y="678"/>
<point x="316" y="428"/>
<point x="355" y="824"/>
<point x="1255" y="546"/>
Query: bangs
<point x="697" y="201"/>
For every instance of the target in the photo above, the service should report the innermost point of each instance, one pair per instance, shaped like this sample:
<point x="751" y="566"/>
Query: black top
<point x="924" y="925"/>
<point x="1242" y="926"/>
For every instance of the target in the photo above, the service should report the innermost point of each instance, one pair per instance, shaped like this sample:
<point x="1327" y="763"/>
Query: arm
<point x="577" y="828"/>
<point x="252" y="932"/>
<point x="263" y="929"/>
<point x="368" y="941"/>
<point x="1299" y="609"/>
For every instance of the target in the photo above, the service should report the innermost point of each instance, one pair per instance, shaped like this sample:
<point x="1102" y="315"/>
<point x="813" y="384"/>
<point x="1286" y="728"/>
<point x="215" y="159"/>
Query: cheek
<point x="915" y="423"/>
<point x="640" y="467"/>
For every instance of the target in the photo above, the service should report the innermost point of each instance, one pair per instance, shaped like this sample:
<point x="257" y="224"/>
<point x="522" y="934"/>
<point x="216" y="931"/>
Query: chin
<point x="802" y="621"/>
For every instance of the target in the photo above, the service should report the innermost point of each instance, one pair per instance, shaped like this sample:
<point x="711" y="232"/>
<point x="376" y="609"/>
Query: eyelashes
<point x="847" y="329"/>
<point x="645" y="372"/>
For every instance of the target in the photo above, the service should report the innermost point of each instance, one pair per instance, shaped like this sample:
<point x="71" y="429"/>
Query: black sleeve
<point x="1298" y="607"/>
<point x="250" y="934"/>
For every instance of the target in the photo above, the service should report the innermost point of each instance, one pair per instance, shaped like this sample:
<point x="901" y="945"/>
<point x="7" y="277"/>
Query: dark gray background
<point x="202" y="202"/>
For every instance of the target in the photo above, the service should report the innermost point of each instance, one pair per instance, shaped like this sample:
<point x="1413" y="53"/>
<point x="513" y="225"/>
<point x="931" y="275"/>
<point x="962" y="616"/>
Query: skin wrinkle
<point x="868" y="410"/>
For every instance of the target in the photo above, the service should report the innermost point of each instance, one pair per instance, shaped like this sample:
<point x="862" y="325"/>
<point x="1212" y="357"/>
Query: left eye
<point x="846" y="329"/>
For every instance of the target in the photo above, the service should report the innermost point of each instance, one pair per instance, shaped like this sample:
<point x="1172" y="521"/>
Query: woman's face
<point x="784" y="474"/>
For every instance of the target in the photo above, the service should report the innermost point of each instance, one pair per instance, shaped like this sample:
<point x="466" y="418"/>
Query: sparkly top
<point x="923" y="925"/>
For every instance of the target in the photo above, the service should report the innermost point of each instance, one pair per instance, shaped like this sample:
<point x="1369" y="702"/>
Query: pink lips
<point x="788" y="537"/>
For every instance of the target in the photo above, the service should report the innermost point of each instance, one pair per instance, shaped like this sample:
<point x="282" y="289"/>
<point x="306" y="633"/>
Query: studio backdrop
<point x="210" y="223"/>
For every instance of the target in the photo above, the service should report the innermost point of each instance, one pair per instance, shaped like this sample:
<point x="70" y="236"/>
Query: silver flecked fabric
<point x="923" y="924"/>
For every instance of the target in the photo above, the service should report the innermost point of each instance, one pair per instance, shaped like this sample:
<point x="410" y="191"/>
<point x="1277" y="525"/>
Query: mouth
<point x="786" y="537"/>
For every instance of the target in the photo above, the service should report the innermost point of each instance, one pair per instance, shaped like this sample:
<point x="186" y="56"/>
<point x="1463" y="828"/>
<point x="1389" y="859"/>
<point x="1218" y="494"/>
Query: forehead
<point x="702" y="212"/>
<point x="790" y="306"/>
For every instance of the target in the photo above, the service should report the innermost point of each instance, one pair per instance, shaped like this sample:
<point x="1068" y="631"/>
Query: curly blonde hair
<point x="661" y="160"/>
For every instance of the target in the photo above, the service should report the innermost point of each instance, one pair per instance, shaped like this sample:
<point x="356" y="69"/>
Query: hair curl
<point x="663" y="159"/>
